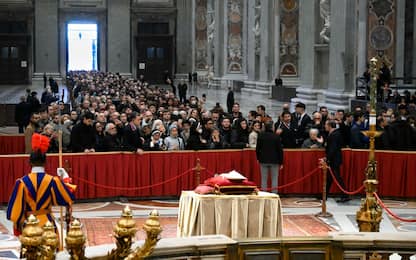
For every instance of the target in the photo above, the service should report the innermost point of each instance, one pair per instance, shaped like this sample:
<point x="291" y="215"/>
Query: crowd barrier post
<point x="324" y="166"/>
<point x="197" y="169"/>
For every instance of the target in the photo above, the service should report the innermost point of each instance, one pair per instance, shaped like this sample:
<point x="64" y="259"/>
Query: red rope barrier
<point x="391" y="212"/>
<point x="339" y="186"/>
<point x="132" y="188"/>
<point x="295" y="181"/>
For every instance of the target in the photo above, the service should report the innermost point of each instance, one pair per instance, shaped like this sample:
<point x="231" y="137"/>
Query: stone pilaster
<point x="118" y="37"/>
<point x="183" y="37"/>
<point x="265" y="57"/>
<point x="46" y="39"/>
<point x="251" y="45"/>
<point x="400" y="42"/>
<point x="306" y="93"/>
<point x="362" y="37"/>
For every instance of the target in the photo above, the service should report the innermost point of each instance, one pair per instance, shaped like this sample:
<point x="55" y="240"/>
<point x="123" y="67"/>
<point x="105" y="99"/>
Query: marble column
<point x="183" y="37"/>
<point x="362" y="37"/>
<point x="219" y="39"/>
<point x="46" y="39"/>
<point x="306" y="93"/>
<point x="276" y="39"/>
<point x="400" y="42"/>
<point x="340" y="88"/>
<point x="118" y="37"/>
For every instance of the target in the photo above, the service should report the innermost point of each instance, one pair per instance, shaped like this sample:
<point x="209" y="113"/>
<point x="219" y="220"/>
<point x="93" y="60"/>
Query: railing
<point x="361" y="86"/>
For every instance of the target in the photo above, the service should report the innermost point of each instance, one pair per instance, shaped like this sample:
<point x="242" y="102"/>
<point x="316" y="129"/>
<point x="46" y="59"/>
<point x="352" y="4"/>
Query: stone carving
<point x="289" y="28"/>
<point x="211" y="32"/>
<point x="256" y="28"/>
<point x="325" y="12"/>
<point x="201" y="43"/>
<point x="381" y="37"/>
<point x="235" y="28"/>
<point x="381" y="8"/>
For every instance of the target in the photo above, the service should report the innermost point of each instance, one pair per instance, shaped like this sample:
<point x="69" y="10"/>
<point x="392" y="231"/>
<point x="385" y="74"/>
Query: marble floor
<point x="298" y="218"/>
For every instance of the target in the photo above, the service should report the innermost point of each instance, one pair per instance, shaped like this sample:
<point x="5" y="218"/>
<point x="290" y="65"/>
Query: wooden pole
<point x="324" y="213"/>
<point x="198" y="168"/>
<point x="61" y="209"/>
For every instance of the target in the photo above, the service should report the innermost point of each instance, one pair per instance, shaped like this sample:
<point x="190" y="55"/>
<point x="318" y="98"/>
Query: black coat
<point x="22" y="113"/>
<point x="333" y="148"/>
<point x="132" y="139"/>
<point x="287" y="136"/>
<point x="82" y="137"/>
<point x="112" y="143"/>
<point x="269" y="149"/>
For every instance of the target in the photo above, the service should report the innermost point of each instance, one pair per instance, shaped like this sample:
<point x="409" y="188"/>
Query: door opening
<point x="82" y="46"/>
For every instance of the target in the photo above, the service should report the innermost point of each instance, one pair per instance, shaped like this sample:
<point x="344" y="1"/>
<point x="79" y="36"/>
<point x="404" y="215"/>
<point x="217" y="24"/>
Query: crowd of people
<point x="112" y="113"/>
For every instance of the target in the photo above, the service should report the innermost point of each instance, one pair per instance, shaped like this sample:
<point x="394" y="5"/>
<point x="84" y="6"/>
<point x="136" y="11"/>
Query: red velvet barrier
<point x="12" y="144"/>
<point x="396" y="171"/>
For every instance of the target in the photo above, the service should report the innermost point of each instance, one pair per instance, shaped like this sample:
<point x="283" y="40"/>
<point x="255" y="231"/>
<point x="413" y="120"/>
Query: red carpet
<point x="99" y="230"/>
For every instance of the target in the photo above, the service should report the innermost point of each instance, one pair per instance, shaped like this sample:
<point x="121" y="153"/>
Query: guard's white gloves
<point x="61" y="172"/>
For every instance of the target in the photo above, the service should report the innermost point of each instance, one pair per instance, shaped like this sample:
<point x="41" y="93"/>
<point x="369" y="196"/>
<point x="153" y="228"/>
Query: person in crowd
<point x="269" y="153"/>
<point x="239" y="135"/>
<point x="50" y="190"/>
<point x="286" y="131"/>
<point x="32" y="127"/>
<point x="185" y="133"/>
<point x="230" y="100"/>
<point x="255" y="130"/>
<point x="183" y="88"/>
<point x="47" y="96"/>
<point x="99" y="136"/>
<point x="112" y="141"/>
<point x="314" y="140"/>
<point x="300" y="120"/>
<point x="156" y="142"/>
<point x="174" y="142"/>
<point x="226" y="131"/>
<point x="132" y="138"/>
<point x="83" y="137"/>
<point x="34" y="102"/>
<point x="215" y="140"/>
<point x="261" y="110"/>
<point x="195" y="140"/>
<point x="358" y="139"/>
<point x="334" y="156"/>
<point x="22" y="114"/>
<point x="323" y="110"/>
<point x="235" y="115"/>
<point x="49" y="132"/>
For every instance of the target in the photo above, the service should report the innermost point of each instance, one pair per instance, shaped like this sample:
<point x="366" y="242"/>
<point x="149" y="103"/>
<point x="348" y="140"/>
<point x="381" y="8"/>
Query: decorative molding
<point x="201" y="41"/>
<point x="235" y="36"/>
<point x="83" y="3"/>
<point x="289" y="37"/>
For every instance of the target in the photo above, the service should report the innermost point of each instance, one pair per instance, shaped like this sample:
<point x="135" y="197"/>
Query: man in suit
<point x="83" y="135"/>
<point x="22" y="114"/>
<point x="286" y="131"/>
<point x="334" y="156"/>
<point x="132" y="139"/>
<point x="301" y="121"/>
<point x="269" y="153"/>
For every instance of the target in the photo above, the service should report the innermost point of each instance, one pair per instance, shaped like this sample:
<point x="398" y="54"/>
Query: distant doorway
<point x="82" y="46"/>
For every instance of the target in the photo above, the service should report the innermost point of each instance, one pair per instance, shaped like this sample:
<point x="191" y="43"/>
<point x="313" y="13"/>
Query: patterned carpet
<point x="99" y="230"/>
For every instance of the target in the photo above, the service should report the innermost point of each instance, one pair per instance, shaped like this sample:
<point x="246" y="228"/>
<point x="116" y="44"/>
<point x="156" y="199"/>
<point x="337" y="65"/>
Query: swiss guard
<point x="37" y="192"/>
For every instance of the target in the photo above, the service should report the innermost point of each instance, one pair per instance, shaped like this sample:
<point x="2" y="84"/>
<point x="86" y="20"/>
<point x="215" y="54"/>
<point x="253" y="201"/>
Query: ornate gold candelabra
<point x="31" y="239"/>
<point x="75" y="241"/>
<point x="50" y="241"/>
<point x="153" y="229"/>
<point x="124" y="232"/>
<point x="369" y="215"/>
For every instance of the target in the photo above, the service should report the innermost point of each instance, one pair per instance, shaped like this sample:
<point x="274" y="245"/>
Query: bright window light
<point x="82" y="46"/>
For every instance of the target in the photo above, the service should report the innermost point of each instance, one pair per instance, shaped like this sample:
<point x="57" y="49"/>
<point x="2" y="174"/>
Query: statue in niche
<point x="325" y="12"/>
<point x="211" y="33"/>
<point x="256" y="28"/>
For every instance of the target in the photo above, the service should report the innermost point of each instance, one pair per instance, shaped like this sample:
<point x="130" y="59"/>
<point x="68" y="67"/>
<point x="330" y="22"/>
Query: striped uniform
<point x="35" y="194"/>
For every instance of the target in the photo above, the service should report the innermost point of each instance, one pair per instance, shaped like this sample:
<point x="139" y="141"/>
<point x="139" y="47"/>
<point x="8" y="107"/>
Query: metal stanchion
<point x="198" y="168"/>
<point x="324" y="167"/>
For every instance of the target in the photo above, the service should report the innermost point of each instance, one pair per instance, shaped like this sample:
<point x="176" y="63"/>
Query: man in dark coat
<point x="230" y="100"/>
<point x="132" y="139"/>
<point x="269" y="153"/>
<point x="182" y="87"/>
<point x="22" y="114"/>
<point x="334" y="155"/>
<point x="83" y="135"/>
<point x="301" y="120"/>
